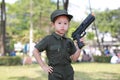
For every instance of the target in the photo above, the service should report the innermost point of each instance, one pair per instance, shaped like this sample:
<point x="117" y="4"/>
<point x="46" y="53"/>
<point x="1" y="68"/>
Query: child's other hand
<point x="48" y="69"/>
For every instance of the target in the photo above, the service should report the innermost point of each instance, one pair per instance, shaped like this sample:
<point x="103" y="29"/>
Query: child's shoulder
<point x="47" y="37"/>
<point x="69" y="39"/>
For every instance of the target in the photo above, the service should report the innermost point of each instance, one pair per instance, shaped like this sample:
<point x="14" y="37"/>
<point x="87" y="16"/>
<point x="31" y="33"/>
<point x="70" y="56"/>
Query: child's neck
<point x="59" y="34"/>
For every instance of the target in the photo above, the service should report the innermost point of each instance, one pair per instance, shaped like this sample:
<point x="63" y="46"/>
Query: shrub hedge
<point x="10" y="60"/>
<point x="102" y="59"/>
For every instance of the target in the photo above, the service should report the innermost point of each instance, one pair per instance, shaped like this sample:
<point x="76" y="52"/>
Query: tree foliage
<point x="108" y="21"/>
<point x="18" y="19"/>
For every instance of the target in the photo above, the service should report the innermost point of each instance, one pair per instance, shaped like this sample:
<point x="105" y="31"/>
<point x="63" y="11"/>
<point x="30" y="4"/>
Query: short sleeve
<point x="72" y="47"/>
<point x="42" y="45"/>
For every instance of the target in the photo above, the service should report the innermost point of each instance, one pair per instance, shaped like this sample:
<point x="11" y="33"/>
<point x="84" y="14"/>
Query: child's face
<point x="61" y="25"/>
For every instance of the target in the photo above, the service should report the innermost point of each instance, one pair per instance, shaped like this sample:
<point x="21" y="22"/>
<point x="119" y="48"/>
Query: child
<point x="60" y="50"/>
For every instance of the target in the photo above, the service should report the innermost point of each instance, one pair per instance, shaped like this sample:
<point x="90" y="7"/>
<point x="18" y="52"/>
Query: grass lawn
<point x="83" y="71"/>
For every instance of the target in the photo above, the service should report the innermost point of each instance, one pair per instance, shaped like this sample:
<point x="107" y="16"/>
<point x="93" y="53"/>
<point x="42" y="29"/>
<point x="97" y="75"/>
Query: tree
<point x="65" y="4"/>
<point x="108" y="21"/>
<point x="3" y="28"/>
<point x="18" y="20"/>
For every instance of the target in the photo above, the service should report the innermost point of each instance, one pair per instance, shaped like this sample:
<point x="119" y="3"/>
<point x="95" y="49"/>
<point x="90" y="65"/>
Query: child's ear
<point x="68" y="24"/>
<point x="52" y="24"/>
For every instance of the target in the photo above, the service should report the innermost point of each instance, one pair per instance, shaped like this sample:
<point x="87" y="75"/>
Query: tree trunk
<point x="3" y="28"/>
<point x="57" y="4"/>
<point x="65" y="4"/>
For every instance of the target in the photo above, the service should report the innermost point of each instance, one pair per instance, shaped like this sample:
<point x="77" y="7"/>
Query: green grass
<point x="97" y="71"/>
<point x="83" y="71"/>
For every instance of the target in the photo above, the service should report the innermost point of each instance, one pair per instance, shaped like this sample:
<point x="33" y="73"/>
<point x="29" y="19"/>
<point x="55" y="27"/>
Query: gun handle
<point x="80" y="44"/>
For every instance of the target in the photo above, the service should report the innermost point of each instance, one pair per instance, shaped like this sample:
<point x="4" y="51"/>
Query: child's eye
<point x="59" y="23"/>
<point x="65" y="23"/>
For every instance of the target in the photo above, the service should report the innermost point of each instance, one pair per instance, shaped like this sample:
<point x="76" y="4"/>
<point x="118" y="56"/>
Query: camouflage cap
<point x="57" y="13"/>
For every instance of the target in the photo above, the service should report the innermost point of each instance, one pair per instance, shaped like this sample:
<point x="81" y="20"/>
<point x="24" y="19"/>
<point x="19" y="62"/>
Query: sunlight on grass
<point x="97" y="71"/>
<point x="83" y="71"/>
<point x="28" y="72"/>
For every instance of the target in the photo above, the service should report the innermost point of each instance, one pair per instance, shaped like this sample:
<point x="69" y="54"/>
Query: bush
<point x="102" y="59"/>
<point x="10" y="60"/>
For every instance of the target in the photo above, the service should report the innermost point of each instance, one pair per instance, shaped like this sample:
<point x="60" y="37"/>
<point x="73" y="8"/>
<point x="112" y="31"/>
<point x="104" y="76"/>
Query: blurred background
<point x="25" y="22"/>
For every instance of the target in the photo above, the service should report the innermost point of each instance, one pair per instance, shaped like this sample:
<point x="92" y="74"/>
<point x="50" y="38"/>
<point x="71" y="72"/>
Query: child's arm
<point x="76" y="55"/>
<point x="44" y="66"/>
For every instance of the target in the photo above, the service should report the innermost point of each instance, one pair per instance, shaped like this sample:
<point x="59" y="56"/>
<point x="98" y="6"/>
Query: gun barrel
<point x="88" y="20"/>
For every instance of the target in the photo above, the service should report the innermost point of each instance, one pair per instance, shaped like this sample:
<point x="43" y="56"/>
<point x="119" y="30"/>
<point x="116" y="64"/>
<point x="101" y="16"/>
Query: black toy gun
<point x="80" y="31"/>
